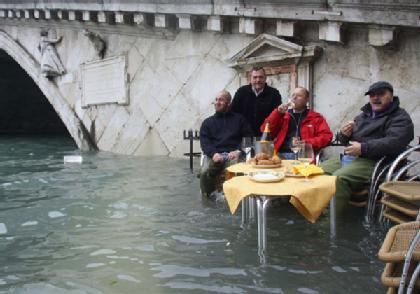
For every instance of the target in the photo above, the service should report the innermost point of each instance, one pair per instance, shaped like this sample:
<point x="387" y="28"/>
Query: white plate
<point x="266" y="176"/>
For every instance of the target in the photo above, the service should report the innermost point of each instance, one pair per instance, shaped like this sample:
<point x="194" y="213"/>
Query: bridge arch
<point x="73" y="124"/>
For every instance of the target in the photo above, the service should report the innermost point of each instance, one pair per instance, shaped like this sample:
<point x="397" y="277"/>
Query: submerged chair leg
<point x="413" y="279"/>
<point x="407" y="261"/>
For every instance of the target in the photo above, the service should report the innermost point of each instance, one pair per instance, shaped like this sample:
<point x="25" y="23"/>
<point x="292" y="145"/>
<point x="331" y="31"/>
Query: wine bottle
<point x="266" y="137"/>
<point x="266" y="144"/>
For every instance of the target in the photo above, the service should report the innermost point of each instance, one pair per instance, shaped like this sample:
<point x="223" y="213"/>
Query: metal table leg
<point x="332" y="218"/>
<point x="245" y="212"/>
<point x="262" y="202"/>
<point x="251" y="208"/>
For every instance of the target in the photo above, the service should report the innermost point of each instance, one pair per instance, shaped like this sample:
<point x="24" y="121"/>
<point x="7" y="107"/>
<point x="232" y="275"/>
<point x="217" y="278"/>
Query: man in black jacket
<point x="256" y="100"/>
<point x="220" y="139"/>
<point x="382" y="129"/>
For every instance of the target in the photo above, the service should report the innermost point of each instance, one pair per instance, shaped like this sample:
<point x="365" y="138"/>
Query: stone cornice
<point x="384" y="13"/>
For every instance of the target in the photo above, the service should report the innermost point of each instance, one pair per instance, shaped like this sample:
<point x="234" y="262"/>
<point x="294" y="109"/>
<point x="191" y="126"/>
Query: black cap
<point x="379" y="86"/>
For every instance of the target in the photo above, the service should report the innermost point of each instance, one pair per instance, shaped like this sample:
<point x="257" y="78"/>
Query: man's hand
<point x="217" y="157"/>
<point x="347" y="129"/>
<point x="234" y="154"/>
<point x="282" y="108"/>
<point x="354" y="149"/>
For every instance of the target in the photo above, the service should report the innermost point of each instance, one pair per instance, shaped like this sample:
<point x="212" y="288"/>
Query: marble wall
<point x="344" y="72"/>
<point x="173" y="78"/>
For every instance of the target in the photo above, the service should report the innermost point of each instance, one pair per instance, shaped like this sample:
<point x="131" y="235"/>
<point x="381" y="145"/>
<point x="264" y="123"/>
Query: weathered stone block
<point x="47" y="14"/>
<point x="139" y="19"/>
<point x="160" y="21"/>
<point x="380" y="36"/>
<point x="86" y="15"/>
<point x="124" y="17"/>
<point x="250" y="26"/>
<point x="28" y="13"/>
<point x="39" y="14"/>
<point x="60" y="14"/>
<point x="184" y="21"/>
<point x="330" y="31"/>
<point x="75" y="15"/>
<point x="285" y="28"/>
<point x="215" y="23"/>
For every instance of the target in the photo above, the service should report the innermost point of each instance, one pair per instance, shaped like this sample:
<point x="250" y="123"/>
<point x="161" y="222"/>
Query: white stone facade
<point x="173" y="75"/>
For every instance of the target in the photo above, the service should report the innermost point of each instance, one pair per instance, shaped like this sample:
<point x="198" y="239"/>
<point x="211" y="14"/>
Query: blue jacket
<point x="223" y="132"/>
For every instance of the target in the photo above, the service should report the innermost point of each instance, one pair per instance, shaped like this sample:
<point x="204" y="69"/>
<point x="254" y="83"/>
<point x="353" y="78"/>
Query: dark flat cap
<point x="379" y="86"/>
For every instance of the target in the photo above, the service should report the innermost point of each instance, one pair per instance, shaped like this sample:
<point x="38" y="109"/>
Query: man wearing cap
<point x="382" y="129"/>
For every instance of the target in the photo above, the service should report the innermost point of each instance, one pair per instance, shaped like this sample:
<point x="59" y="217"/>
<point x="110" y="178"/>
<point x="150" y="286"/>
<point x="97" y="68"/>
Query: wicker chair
<point x="401" y="199"/>
<point x="401" y="252"/>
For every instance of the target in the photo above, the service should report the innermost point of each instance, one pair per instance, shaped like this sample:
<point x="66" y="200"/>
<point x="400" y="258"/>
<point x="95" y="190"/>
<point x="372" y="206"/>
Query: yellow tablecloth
<point x="309" y="198"/>
<point x="245" y="168"/>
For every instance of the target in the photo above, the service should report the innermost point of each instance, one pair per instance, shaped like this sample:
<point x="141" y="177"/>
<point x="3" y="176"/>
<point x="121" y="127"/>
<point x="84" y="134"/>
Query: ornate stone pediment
<point x="267" y="48"/>
<point x="287" y="64"/>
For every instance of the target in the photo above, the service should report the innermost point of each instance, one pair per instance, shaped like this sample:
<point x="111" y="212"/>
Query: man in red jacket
<point x="299" y="121"/>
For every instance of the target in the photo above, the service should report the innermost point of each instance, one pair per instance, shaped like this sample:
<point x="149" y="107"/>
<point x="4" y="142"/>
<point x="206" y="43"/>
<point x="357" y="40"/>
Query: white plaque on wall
<point x="105" y="81"/>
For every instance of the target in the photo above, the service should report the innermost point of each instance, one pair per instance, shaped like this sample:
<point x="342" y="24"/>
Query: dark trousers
<point x="212" y="177"/>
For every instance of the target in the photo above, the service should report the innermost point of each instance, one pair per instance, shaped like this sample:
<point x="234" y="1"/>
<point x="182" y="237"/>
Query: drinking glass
<point x="296" y="146"/>
<point x="246" y="146"/>
<point x="306" y="156"/>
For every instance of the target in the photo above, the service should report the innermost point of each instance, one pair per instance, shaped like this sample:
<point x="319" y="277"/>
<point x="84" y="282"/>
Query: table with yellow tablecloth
<point x="310" y="198"/>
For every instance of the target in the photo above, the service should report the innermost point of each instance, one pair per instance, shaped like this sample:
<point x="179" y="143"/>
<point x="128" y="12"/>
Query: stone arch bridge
<point x="130" y="77"/>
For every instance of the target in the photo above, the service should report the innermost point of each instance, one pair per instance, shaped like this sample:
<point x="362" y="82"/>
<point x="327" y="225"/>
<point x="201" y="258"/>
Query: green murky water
<point x="123" y="224"/>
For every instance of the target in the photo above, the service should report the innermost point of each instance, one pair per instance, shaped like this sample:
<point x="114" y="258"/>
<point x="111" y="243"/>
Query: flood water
<point x="124" y="224"/>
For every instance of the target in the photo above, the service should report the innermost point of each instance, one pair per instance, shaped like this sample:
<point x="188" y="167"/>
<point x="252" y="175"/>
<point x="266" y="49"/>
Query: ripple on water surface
<point x="117" y="224"/>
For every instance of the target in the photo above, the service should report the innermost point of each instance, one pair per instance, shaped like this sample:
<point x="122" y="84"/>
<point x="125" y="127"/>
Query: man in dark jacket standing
<point x="256" y="100"/>
<point x="220" y="139"/>
<point x="383" y="128"/>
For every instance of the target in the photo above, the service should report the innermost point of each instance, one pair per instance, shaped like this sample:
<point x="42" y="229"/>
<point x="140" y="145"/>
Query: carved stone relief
<point x="51" y="65"/>
<point x="98" y="43"/>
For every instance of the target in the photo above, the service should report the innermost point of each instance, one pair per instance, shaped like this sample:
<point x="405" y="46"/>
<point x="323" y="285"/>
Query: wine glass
<point x="306" y="156"/>
<point x="296" y="146"/>
<point x="246" y="146"/>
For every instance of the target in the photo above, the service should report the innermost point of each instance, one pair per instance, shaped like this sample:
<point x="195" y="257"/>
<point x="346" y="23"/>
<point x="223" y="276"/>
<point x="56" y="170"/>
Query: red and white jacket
<point x="314" y="129"/>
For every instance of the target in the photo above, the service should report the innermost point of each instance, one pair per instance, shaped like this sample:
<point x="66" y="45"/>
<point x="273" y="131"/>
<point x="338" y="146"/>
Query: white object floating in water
<point x="93" y="265"/>
<point x="55" y="214"/>
<point x="103" y="252"/>
<point x="73" y="159"/>
<point x="29" y="223"/>
<point x="3" y="229"/>
<point x="128" y="278"/>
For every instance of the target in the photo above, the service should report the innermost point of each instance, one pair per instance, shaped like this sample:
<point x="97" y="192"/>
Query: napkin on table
<point x="307" y="170"/>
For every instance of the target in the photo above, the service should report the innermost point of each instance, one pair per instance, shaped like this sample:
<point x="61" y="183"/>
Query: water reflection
<point x="122" y="224"/>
